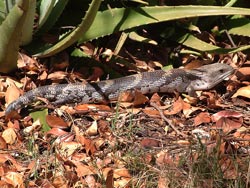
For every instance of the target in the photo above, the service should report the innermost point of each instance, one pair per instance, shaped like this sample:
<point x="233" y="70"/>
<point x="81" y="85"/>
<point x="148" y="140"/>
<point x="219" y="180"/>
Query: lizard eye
<point x="221" y="70"/>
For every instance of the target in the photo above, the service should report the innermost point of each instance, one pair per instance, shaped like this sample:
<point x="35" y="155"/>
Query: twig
<point x="167" y="120"/>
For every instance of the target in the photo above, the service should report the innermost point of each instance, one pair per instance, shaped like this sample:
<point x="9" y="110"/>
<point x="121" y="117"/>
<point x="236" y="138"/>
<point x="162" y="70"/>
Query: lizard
<point x="179" y="80"/>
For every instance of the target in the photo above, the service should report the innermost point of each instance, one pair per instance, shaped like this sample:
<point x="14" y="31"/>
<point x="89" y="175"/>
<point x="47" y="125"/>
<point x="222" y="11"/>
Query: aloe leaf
<point x="3" y="11"/>
<point x="46" y="7"/>
<point x="121" y="19"/>
<point x="50" y="15"/>
<point x="11" y="36"/>
<point x="191" y="41"/>
<point x="28" y="24"/>
<point x="134" y="36"/>
<point x="239" y="26"/>
<point x="74" y="35"/>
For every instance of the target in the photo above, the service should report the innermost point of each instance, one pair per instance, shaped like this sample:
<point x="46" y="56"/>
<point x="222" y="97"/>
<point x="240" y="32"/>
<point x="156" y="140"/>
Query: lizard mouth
<point x="226" y="76"/>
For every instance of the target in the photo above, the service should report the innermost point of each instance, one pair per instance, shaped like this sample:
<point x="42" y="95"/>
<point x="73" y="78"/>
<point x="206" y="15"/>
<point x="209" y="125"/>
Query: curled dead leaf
<point x="56" y="132"/>
<point x="92" y="130"/>
<point x="56" y="122"/>
<point x="228" y="124"/>
<point x="225" y="114"/>
<point x="58" y="75"/>
<point x="12" y="93"/>
<point x="110" y="179"/>
<point x="202" y="117"/>
<point x="9" y="135"/>
<point x="66" y="149"/>
<point x="178" y="106"/>
<point x="34" y="127"/>
<point x="243" y="92"/>
<point x="92" y="107"/>
<point x="122" y="172"/>
<point x="151" y="112"/>
<point x="83" y="170"/>
<point x="14" y="178"/>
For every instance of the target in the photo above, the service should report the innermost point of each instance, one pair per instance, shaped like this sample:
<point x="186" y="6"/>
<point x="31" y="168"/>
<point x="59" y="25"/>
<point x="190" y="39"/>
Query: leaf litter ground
<point x="167" y="140"/>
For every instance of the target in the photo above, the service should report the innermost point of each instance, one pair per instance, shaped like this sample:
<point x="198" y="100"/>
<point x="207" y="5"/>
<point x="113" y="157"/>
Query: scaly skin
<point x="202" y="78"/>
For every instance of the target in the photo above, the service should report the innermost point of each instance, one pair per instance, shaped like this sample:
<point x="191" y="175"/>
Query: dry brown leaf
<point x="178" y="106"/>
<point x="228" y="124"/>
<point x="45" y="183"/>
<point x="165" y="158"/>
<point x="25" y="62"/>
<point x="3" y="144"/>
<point x="126" y="96"/>
<point x="105" y="171"/>
<point x="96" y="74"/>
<point x="148" y="158"/>
<point x="83" y="170"/>
<point x="110" y="179"/>
<point x="103" y="127"/>
<point x="88" y="144"/>
<point x="2" y="172"/>
<point x="56" y="132"/>
<point x="151" y="112"/>
<point x="154" y="64"/>
<point x="139" y="98"/>
<point x="88" y="48"/>
<point x="33" y="128"/>
<point x="92" y="130"/>
<point x="225" y="114"/>
<point x="123" y="182"/>
<point x="244" y="71"/>
<point x="79" y="156"/>
<point x="8" y="157"/>
<point x="122" y="172"/>
<point x="90" y="180"/>
<point x="58" y="75"/>
<point x="92" y="107"/>
<point x="60" y="181"/>
<point x="14" y="178"/>
<point x="12" y="93"/>
<point x="9" y="135"/>
<point x="229" y="169"/>
<point x="60" y="61"/>
<point x="203" y="117"/>
<point x="32" y="165"/>
<point x="99" y="143"/>
<point x="66" y="149"/>
<point x="149" y="143"/>
<point x="43" y="75"/>
<point x="188" y="112"/>
<point x="156" y="99"/>
<point x="163" y="182"/>
<point x="133" y="111"/>
<point x="183" y="142"/>
<point x="56" y="122"/>
<point x="2" y="114"/>
<point x="243" y="92"/>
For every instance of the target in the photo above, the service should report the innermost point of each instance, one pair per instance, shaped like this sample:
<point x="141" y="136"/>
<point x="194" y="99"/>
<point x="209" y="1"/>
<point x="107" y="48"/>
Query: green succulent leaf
<point x="50" y="11"/>
<point x="75" y="34"/>
<point x="120" y="19"/>
<point x="11" y="36"/>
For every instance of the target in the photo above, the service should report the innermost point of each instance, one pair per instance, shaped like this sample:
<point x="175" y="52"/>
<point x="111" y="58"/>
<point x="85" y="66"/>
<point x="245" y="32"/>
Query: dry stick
<point x="167" y="120"/>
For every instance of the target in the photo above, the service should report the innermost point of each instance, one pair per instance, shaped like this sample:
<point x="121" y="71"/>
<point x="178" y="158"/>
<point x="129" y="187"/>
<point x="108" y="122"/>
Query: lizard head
<point x="209" y="76"/>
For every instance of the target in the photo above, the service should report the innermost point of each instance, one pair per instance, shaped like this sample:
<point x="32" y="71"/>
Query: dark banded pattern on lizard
<point x="202" y="78"/>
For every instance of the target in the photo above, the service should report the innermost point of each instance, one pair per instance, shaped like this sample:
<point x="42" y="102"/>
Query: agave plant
<point x="17" y="25"/>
